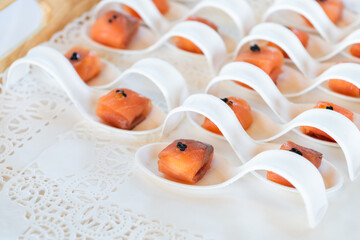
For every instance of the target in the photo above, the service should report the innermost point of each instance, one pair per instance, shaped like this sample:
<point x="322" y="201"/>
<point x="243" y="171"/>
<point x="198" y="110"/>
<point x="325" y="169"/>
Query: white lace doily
<point x="63" y="178"/>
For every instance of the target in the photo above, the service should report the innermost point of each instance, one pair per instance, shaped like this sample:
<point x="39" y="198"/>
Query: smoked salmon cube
<point x="332" y="8"/>
<point x="186" y="160"/>
<point x="241" y="109"/>
<point x="115" y="29"/>
<point x="355" y="50"/>
<point x="186" y="44"/>
<point x="86" y="63"/>
<point x="123" y="108"/>
<point x="344" y="87"/>
<point x="302" y="36"/>
<point x="317" y="133"/>
<point x="162" y="5"/>
<point x="313" y="156"/>
<point x="269" y="59"/>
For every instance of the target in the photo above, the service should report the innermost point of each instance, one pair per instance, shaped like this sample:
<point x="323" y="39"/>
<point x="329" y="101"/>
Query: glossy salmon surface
<point x="355" y="50"/>
<point x="86" y="63"/>
<point x="162" y="5"/>
<point x="313" y="156"/>
<point x="241" y="109"/>
<point x="269" y="59"/>
<point x="344" y="87"/>
<point x="186" y="44"/>
<point x="115" y="29"/>
<point x="186" y="160"/>
<point x="123" y="108"/>
<point x="317" y="133"/>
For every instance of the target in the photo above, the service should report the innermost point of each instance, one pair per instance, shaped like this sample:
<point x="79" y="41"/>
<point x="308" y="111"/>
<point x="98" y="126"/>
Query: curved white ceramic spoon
<point x="215" y="50"/>
<point x="239" y="12"/>
<point x="146" y="10"/>
<point x="285" y="110"/>
<point x="289" y="83"/>
<point x="284" y="38"/>
<point x="283" y="11"/>
<point x="264" y="86"/>
<point x="265" y="129"/>
<point x="301" y="173"/>
<point x="85" y="98"/>
<point x="345" y="134"/>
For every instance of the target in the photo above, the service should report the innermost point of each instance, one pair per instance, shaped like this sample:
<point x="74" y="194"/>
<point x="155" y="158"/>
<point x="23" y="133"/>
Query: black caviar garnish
<point x="110" y="20"/>
<point x="296" y="151"/>
<point x="75" y="56"/>
<point x="255" y="48"/>
<point x="181" y="146"/>
<point x="122" y="92"/>
<point x="225" y="100"/>
<point x="330" y="107"/>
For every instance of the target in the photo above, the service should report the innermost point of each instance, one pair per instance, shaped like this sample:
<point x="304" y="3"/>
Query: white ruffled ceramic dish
<point x="302" y="174"/>
<point x="289" y="13"/>
<point x="309" y="73"/>
<point x="317" y="48"/>
<point x="85" y="98"/>
<point x="286" y="111"/>
<point x="245" y="147"/>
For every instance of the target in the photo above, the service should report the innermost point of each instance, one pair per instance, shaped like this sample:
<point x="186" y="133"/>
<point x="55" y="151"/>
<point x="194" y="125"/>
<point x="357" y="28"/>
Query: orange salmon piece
<point x="162" y="5"/>
<point x="186" y="160"/>
<point x="241" y="109"/>
<point x="302" y="36"/>
<point x="86" y="63"/>
<point x="186" y="44"/>
<point x="313" y="156"/>
<point x="123" y="108"/>
<point x="317" y="133"/>
<point x="344" y="87"/>
<point x="355" y="50"/>
<point x="332" y="8"/>
<point x="269" y="59"/>
<point x="115" y="29"/>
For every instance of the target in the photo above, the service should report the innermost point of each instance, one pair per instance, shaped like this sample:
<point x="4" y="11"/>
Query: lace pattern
<point x="80" y="206"/>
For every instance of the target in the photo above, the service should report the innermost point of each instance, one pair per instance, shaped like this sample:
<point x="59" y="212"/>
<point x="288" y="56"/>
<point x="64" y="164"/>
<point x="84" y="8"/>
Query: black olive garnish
<point x="115" y="17"/>
<point x="255" y="48"/>
<point x="122" y="92"/>
<point x="110" y="20"/>
<point x="75" y="56"/>
<point x="225" y="100"/>
<point x="330" y="107"/>
<point x="181" y="146"/>
<point x="296" y="151"/>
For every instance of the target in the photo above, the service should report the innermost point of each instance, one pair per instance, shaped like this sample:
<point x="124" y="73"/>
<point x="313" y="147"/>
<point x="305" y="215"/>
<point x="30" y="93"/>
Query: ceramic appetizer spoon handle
<point x="146" y="9"/>
<point x="164" y="75"/>
<point x="239" y="11"/>
<point x="200" y="34"/>
<point x="314" y="13"/>
<point x="301" y="174"/>
<point x="288" y="41"/>
<point x="223" y="117"/>
<point x="262" y="83"/>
